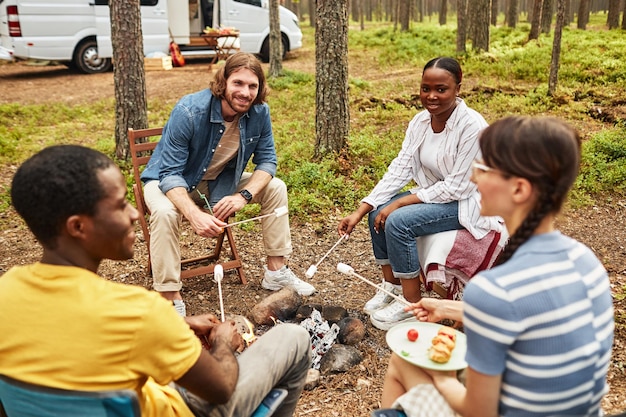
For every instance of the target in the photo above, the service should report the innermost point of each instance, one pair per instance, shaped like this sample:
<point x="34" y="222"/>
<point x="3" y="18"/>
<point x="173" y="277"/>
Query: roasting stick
<point x="218" y="274"/>
<point x="348" y="270"/>
<point x="278" y="212"/>
<point x="313" y="268"/>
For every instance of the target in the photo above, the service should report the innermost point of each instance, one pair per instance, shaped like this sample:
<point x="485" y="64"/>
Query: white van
<point x="78" y="32"/>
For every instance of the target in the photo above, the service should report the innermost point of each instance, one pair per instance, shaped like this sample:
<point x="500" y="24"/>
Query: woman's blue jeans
<point x="396" y="244"/>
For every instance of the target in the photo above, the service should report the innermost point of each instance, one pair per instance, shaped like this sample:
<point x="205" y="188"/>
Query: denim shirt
<point x="191" y="136"/>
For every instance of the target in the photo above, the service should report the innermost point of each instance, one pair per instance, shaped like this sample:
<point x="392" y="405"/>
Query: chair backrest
<point x="21" y="399"/>
<point x="141" y="148"/>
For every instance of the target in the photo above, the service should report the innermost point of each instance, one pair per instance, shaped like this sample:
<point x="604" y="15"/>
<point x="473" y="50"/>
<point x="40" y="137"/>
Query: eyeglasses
<point x="479" y="166"/>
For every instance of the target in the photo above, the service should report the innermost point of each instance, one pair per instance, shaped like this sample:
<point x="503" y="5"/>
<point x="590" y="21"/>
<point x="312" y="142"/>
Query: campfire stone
<point x="305" y="311"/>
<point x="333" y="314"/>
<point x="340" y="358"/>
<point x="281" y="305"/>
<point x="312" y="379"/>
<point x="351" y="331"/>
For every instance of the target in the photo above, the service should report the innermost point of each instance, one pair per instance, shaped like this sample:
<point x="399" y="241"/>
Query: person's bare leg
<point x="274" y="263"/>
<point x="401" y="376"/>
<point x="411" y="289"/>
<point x="171" y="295"/>
<point x="388" y="275"/>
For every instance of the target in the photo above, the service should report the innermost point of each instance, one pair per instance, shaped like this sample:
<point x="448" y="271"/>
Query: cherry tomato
<point x="412" y="335"/>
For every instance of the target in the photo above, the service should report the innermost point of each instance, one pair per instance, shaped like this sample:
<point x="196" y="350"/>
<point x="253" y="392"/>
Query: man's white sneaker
<point x="275" y="280"/>
<point x="391" y="315"/>
<point x="180" y="307"/>
<point x="382" y="299"/>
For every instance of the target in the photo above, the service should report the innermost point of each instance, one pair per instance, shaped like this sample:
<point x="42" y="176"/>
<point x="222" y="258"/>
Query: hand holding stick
<point x="348" y="270"/>
<point x="313" y="268"/>
<point x="278" y="212"/>
<point x="218" y="274"/>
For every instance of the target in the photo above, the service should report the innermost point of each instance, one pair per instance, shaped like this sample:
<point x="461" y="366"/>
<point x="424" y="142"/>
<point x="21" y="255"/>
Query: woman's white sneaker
<point x="381" y="299"/>
<point x="386" y="318"/>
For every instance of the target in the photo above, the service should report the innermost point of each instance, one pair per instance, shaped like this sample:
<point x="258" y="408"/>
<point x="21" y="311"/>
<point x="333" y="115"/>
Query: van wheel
<point x="265" y="48"/>
<point x="87" y="61"/>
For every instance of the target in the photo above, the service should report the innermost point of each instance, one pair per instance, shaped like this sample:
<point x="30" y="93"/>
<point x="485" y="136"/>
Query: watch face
<point x="246" y="194"/>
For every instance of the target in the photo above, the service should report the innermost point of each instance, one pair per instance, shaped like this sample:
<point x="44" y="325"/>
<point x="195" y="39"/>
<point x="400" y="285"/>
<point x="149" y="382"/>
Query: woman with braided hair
<point x="539" y="325"/>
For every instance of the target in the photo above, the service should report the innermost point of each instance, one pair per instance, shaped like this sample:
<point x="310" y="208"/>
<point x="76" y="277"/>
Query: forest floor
<point x="353" y="393"/>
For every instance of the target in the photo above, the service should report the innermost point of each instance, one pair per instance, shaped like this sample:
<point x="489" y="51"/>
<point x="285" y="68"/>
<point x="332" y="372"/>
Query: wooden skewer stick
<point x="313" y="268"/>
<point x="280" y="211"/>
<point x="348" y="270"/>
<point x="218" y="274"/>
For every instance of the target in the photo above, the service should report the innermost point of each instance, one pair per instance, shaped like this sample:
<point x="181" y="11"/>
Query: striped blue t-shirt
<point x="544" y="320"/>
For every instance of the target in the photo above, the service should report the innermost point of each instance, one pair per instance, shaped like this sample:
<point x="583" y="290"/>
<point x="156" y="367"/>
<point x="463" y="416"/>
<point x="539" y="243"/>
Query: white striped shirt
<point x="544" y="320"/>
<point x="455" y="154"/>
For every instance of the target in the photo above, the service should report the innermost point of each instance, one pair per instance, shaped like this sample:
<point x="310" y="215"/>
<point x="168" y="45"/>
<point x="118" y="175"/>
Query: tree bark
<point x="312" y="12"/>
<point x="443" y="12"/>
<point x="624" y="16"/>
<point x="461" y="23"/>
<point x="131" y="109"/>
<point x="511" y="13"/>
<point x="546" y="16"/>
<point x="479" y="24"/>
<point x="276" y="43"/>
<point x="535" y="23"/>
<point x="494" y="12"/>
<point x="583" y="14"/>
<point x="404" y="15"/>
<point x="612" y="19"/>
<point x="332" y="116"/>
<point x="556" y="48"/>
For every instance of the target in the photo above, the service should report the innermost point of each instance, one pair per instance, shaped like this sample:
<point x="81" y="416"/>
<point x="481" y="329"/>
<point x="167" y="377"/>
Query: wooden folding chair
<point x="141" y="148"/>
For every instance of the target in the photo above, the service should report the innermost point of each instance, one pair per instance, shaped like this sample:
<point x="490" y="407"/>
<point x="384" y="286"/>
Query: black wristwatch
<point x="246" y="194"/>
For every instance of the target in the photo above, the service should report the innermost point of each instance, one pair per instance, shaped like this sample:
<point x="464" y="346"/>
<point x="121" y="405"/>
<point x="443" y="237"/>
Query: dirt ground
<point x="353" y="393"/>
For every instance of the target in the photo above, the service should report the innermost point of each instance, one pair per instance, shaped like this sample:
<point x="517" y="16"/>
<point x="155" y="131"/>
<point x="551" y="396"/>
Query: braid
<point x="546" y="152"/>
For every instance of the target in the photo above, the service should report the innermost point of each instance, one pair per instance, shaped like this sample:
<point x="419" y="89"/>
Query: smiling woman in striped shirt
<point x="539" y="325"/>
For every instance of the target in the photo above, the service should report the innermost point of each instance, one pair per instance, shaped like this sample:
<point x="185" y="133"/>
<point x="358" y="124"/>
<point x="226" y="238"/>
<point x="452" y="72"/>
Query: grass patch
<point x="509" y="79"/>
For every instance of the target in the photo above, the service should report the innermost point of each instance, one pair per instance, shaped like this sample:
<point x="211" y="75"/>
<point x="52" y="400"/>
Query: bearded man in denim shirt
<point x="206" y="144"/>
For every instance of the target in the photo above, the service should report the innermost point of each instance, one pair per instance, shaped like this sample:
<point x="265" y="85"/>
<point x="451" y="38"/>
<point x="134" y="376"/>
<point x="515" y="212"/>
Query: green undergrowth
<point x="511" y="78"/>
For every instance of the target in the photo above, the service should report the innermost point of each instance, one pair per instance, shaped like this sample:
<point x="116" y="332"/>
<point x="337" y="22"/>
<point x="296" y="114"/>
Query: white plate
<point x="417" y="352"/>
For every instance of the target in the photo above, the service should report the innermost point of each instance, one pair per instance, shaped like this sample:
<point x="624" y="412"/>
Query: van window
<point x="106" y="2"/>
<point x="250" y="2"/>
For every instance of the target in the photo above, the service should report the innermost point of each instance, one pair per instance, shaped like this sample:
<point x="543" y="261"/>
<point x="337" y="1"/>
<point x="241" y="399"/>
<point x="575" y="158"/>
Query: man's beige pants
<point x="165" y="223"/>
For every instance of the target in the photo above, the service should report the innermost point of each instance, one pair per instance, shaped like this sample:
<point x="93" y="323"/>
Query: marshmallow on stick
<point x="218" y="274"/>
<point x="278" y="212"/>
<point x="313" y="268"/>
<point x="348" y="270"/>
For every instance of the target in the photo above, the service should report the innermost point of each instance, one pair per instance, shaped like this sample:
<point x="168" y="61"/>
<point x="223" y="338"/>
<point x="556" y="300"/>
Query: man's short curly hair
<point x="234" y="63"/>
<point x="56" y="183"/>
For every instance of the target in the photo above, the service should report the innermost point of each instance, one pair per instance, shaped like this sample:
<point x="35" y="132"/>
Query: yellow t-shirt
<point x="66" y="327"/>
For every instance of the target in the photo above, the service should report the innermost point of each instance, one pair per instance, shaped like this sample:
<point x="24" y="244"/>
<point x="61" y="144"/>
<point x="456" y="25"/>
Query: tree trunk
<point x="276" y="43"/>
<point x="612" y="19"/>
<point x="131" y="109"/>
<point x="312" y="11"/>
<point x="583" y="14"/>
<point x="404" y="15"/>
<point x="624" y="16"/>
<point x="461" y="23"/>
<point x="535" y="22"/>
<point x="362" y="14"/>
<point x="556" y="47"/>
<point x="512" y="13"/>
<point x="332" y="116"/>
<point x="546" y="16"/>
<point x="494" y="12"/>
<point x="443" y="12"/>
<point x="479" y="24"/>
